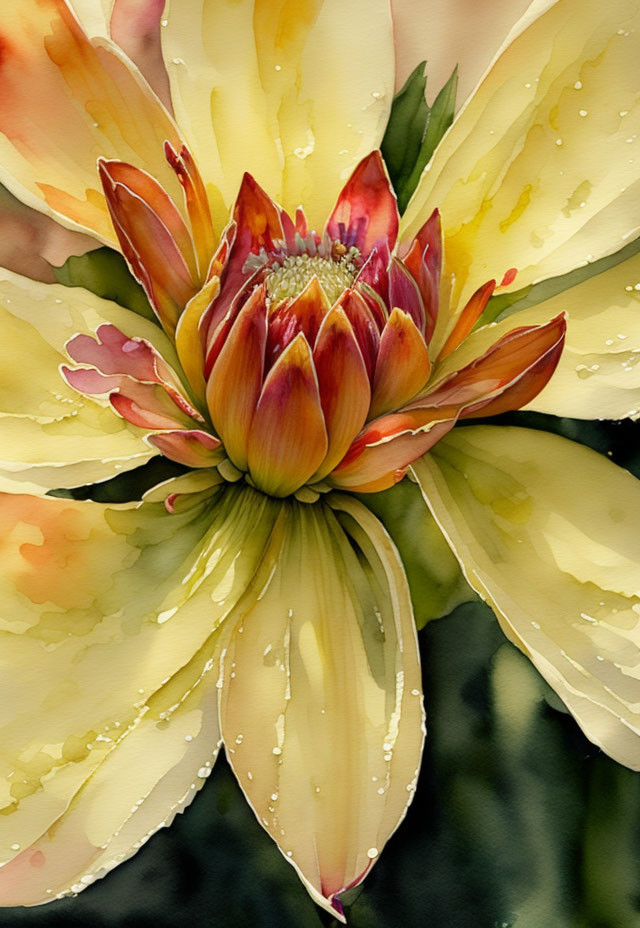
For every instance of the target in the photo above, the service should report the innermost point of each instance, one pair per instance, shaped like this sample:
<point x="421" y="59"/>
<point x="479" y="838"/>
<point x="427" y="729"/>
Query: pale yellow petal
<point x="598" y="376"/>
<point x="65" y="101"/>
<point x="295" y="93"/>
<point x="50" y="435"/>
<point x="152" y="774"/>
<point x="321" y="706"/>
<point x="107" y="618"/>
<point x="540" y="170"/>
<point x="546" y="531"/>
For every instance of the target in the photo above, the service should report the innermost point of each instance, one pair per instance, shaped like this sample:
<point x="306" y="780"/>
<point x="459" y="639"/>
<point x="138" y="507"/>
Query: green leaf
<point x="439" y="120"/>
<point x="414" y="130"/>
<point x="435" y="579"/>
<point x="105" y="273"/>
<point x="406" y="128"/>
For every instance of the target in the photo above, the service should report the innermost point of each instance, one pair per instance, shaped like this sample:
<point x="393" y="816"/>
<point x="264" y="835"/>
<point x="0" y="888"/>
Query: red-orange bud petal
<point x="343" y="383"/>
<point x="403" y="365"/>
<point x="366" y="213"/>
<point x="468" y="318"/>
<point x="235" y="382"/>
<point x="288" y="439"/>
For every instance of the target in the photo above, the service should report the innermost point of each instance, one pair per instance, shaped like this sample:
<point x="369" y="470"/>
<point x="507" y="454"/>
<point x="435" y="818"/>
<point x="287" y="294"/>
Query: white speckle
<point x="558" y="142"/>
<point x="583" y="112"/>
<point x="578" y="85"/>
<point x="204" y="772"/>
<point x="277" y="751"/>
<point x="372" y="853"/>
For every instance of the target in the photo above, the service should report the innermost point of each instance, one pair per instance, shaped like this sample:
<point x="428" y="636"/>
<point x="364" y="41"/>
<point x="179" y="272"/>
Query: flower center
<point x="290" y="275"/>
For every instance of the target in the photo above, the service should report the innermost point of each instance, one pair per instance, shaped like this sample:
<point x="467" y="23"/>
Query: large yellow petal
<point x="295" y="93"/>
<point x="107" y="620"/>
<point x="598" y="376"/>
<point x="540" y="170"/>
<point x="66" y="100"/>
<point x="321" y="707"/>
<point x="546" y="531"/>
<point x="50" y="435"/>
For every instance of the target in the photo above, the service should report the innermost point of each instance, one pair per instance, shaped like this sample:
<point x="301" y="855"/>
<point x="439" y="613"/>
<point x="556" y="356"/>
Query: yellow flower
<point x="312" y="344"/>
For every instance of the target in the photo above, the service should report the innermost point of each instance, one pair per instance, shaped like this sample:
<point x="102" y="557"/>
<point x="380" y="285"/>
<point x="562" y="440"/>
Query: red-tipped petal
<point x="514" y="357"/>
<point x="142" y="185"/>
<point x="288" y="438"/>
<point x="403" y="365"/>
<point x="257" y="218"/>
<point x="381" y="454"/>
<point x="404" y="293"/>
<point x="196" y="202"/>
<point x="468" y="318"/>
<point x="304" y="313"/>
<point x="191" y="447"/>
<point x="364" y="327"/>
<point x="344" y="385"/>
<point x="525" y="387"/>
<point x="366" y="213"/>
<point x="155" y="258"/>
<point x="235" y="382"/>
<point x="424" y="261"/>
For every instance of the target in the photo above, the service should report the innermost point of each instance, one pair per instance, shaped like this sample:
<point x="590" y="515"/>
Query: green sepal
<point x="105" y="273"/>
<point x="436" y="582"/>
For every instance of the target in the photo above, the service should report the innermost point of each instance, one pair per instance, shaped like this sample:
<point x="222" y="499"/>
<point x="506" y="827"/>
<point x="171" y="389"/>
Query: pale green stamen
<point x="290" y="276"/>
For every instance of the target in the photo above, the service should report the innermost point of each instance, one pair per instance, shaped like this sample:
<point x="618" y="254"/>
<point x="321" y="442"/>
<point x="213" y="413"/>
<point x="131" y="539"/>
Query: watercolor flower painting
<point x="339" y="298"/>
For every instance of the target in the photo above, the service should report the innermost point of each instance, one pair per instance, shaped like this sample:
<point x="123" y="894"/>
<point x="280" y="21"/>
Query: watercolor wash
<point x="269" y="428"/>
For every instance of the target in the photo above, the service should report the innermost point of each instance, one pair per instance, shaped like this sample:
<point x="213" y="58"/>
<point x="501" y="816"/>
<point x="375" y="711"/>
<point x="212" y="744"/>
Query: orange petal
<point x="504" y="365"/>
<point x="65" y="100"/>
<point x="142" y="185"/>
<point x="153" y="255"/>
<point x="344" y="385"/>
<point x="403" y="365"/>
<point x="196" y="202"/>
<point x="288" y="439"/>
<point x="235" y="382"/>
<point x="467" y="318"/>
<point x="525" y="387"/>
<point x="381" y="454"/>
<point x="304" y="313"/>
